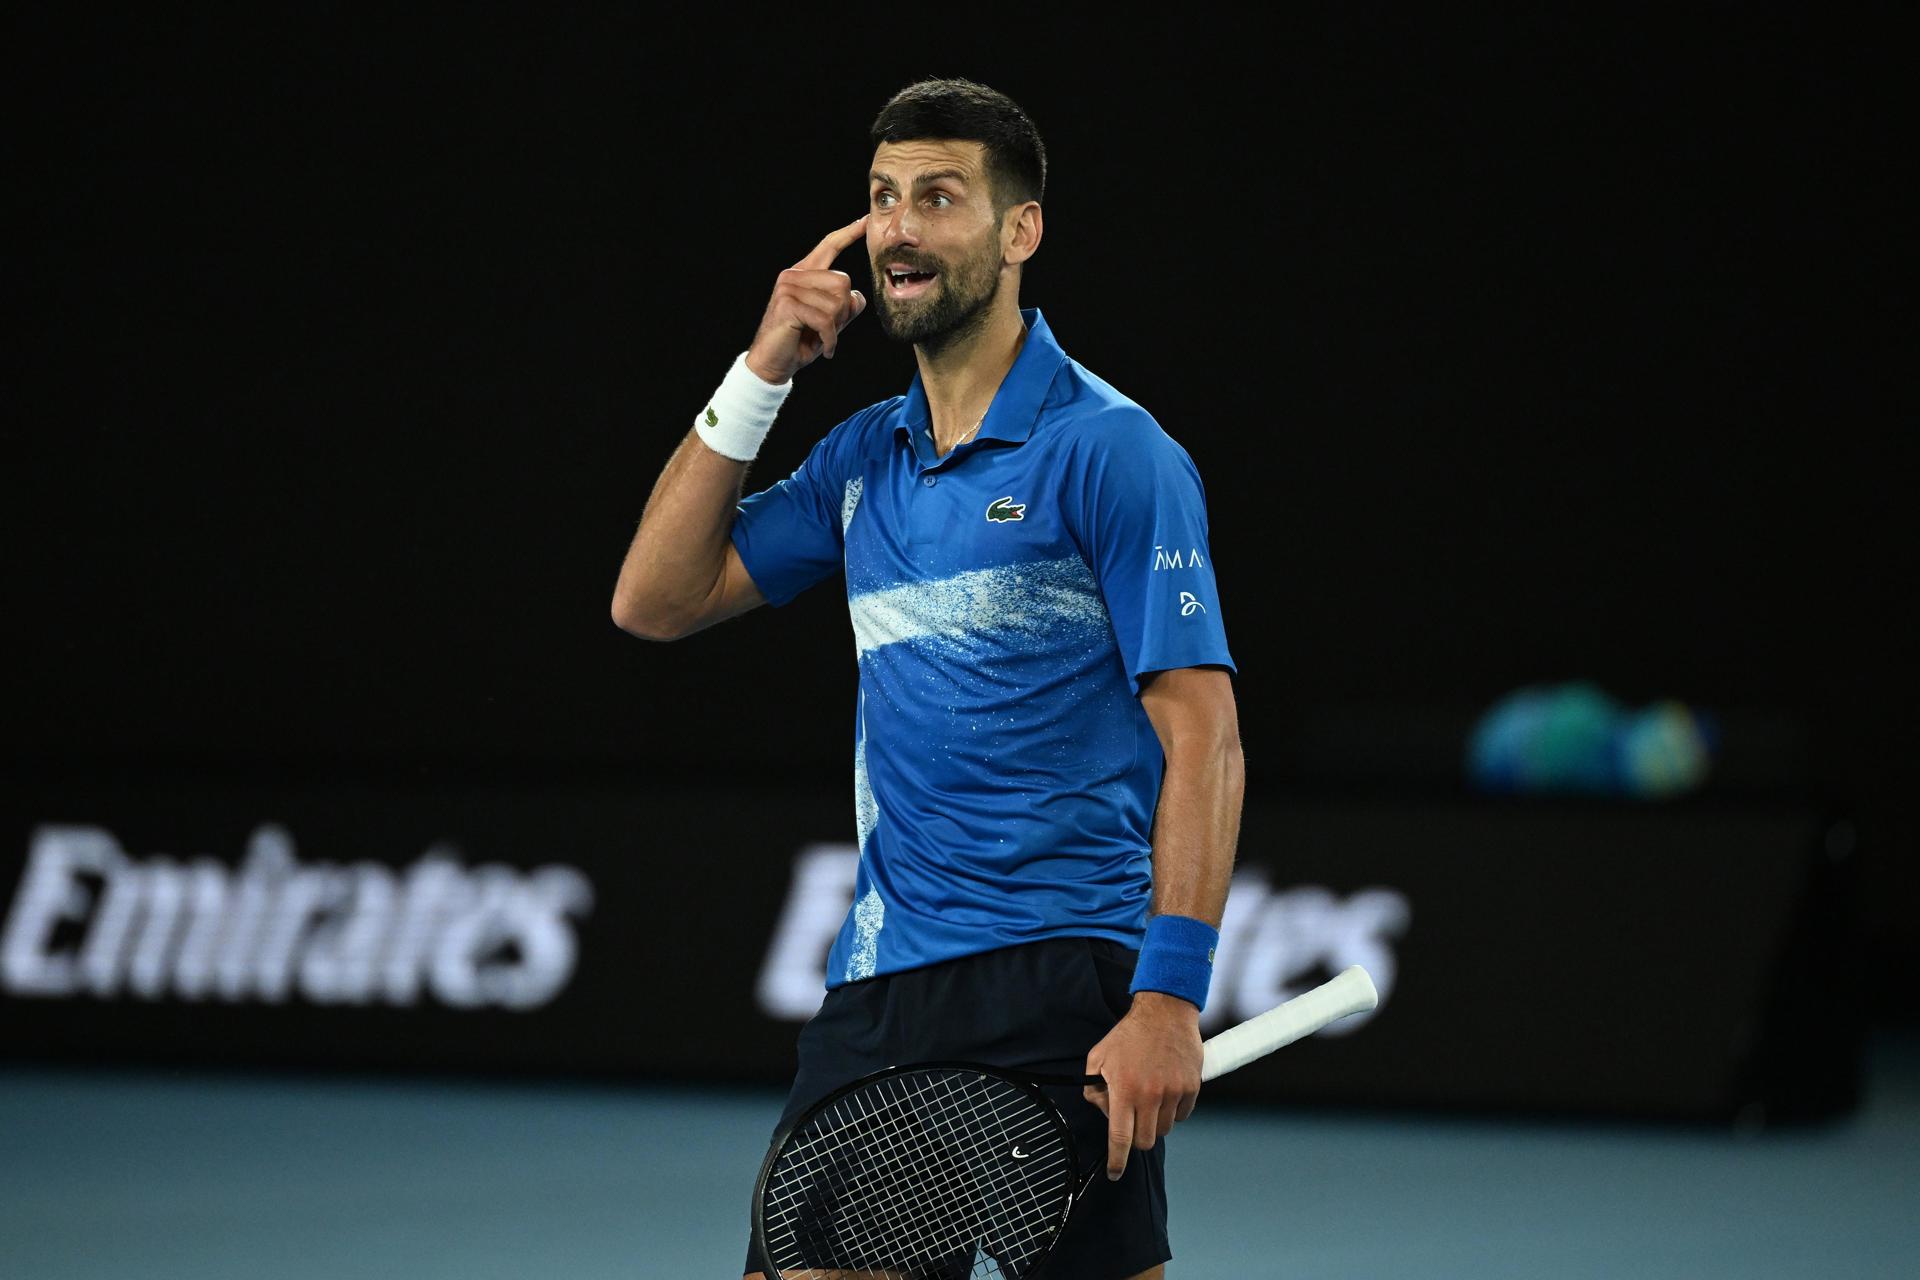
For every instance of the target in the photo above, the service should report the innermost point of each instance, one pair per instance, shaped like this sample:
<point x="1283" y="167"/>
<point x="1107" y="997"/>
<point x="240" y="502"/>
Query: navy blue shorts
<point x="1039" y="1007"/>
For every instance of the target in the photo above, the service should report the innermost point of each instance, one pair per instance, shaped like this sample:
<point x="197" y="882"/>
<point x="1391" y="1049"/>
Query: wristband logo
<point x="88" y="920"/>
<point x="1274" y="943"/>
<point x="713" y="419"/>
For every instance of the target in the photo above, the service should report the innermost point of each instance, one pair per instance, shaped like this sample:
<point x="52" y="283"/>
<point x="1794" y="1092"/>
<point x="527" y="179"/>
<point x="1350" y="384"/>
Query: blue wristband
<point x="1177" y="958"/>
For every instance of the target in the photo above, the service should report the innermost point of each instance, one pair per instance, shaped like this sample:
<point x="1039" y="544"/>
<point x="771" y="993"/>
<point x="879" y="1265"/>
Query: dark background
<point x="1512" y="349"/>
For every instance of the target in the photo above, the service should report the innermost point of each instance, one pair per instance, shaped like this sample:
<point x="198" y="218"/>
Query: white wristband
<point x="741" y="412"/>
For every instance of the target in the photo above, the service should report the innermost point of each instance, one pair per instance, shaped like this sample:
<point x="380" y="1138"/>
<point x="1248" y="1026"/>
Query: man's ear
<point x="1023" y="228"/>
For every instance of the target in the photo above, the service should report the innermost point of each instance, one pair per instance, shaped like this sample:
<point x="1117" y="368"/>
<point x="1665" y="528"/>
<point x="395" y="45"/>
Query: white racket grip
<point x="1351" y="992"/>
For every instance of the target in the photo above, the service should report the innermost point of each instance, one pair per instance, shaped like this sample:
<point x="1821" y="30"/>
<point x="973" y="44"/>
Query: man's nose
<point x="899" y="227"/>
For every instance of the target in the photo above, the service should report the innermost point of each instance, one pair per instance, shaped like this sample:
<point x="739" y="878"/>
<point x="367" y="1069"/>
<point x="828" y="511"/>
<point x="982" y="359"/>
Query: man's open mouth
<point x="903" y="283"/>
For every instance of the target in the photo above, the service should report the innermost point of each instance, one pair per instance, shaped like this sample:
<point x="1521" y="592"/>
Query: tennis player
<point x="1047" y="767"/>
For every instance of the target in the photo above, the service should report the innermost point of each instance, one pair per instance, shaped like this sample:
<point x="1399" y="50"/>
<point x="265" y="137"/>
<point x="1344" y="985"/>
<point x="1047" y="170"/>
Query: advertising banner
<point x="1632" y="959"/>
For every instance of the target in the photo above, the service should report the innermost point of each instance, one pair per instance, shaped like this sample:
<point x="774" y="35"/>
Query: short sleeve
<point x="1142" y="518"/>
<point x="789" y="535"/>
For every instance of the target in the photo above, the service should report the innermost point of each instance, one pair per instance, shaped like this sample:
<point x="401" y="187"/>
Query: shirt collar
<point x="1016" y="405"/>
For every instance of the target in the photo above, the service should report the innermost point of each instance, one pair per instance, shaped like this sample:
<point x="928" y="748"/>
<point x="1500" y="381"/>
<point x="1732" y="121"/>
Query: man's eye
<point x="938" y="196"/>
<point x="883" y="199"/>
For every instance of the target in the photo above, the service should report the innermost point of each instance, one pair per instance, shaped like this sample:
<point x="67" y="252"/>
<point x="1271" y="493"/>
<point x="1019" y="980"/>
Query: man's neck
<point x="960" y="380"/>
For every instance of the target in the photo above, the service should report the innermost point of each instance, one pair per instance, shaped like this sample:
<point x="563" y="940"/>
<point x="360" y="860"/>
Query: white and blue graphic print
<point x="870" y="911"/>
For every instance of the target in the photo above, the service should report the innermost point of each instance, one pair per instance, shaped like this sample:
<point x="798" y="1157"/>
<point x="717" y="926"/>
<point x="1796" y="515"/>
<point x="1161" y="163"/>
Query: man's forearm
<point x="679" y="550"/>
<point x="678" y="558"/>
<point x="1152" y="1059"/>
<point x="1197" y="825"/>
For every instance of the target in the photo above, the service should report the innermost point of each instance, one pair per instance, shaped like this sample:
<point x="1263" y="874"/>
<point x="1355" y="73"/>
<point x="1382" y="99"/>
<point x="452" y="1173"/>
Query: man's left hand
<point x="1151" y="1062"/>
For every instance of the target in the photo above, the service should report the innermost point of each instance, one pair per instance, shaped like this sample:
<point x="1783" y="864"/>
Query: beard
<point x="953" y="309"/>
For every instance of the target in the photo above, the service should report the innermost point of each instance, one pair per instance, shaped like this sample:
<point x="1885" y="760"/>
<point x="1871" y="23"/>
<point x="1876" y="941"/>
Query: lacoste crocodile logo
<point x="713" y="419"/>
<point x="1006" y="509"/>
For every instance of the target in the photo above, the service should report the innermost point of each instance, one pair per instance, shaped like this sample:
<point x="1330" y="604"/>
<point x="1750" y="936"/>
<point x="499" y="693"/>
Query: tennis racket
<point x="959" y="1171"/>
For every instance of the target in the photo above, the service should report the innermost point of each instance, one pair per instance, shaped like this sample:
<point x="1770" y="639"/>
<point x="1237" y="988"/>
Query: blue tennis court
<point x="118" y="1176"/>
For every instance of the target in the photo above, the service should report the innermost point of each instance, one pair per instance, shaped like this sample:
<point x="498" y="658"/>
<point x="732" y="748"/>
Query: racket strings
<point x="933" y="1173"/>
<point x="926" y="1241"/>
<point x="911" y="1158"/>
<point x="1017" y="1212"/>
<point x="945" y="1245"/>
<point x="867" y="1222"/>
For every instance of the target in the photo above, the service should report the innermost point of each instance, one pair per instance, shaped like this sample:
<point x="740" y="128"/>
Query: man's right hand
<point x="811" y="304"/>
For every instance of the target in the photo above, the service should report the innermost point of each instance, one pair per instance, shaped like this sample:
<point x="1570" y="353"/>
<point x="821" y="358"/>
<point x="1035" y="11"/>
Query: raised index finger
<point x="827" y="250"/>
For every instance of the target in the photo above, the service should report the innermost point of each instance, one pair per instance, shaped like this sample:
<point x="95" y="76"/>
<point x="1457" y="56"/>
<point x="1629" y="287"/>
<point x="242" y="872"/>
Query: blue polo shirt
<point x="1006" y="599"/>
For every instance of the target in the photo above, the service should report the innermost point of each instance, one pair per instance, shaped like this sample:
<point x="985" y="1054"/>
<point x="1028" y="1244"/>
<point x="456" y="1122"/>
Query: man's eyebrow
<point x="931" y="176"/>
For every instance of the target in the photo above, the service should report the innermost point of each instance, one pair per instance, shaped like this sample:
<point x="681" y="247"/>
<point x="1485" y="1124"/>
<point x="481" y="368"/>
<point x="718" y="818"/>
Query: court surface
<point x="171" y="1176"/>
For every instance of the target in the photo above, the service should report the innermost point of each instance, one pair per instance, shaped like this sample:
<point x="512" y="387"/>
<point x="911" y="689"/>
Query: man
<point x="1047" y="769"/>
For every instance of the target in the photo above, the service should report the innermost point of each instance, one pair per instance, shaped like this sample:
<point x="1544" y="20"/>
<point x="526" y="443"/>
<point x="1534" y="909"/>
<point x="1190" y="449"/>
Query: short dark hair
<point x="969" y="112"/>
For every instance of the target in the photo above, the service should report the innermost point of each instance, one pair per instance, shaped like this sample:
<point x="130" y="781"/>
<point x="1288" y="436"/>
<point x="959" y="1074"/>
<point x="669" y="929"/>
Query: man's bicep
<point x="733" y="594"/>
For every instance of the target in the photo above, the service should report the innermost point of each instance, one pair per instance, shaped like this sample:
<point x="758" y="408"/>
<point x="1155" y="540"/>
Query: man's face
<point x="930" y="212"/>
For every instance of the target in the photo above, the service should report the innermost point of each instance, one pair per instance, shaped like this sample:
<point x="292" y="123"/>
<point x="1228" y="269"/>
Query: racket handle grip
<point x="1351" y="992"/>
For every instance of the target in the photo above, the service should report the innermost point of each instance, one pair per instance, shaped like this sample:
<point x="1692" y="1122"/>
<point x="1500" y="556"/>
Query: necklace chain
<point x="970" y="430"/>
